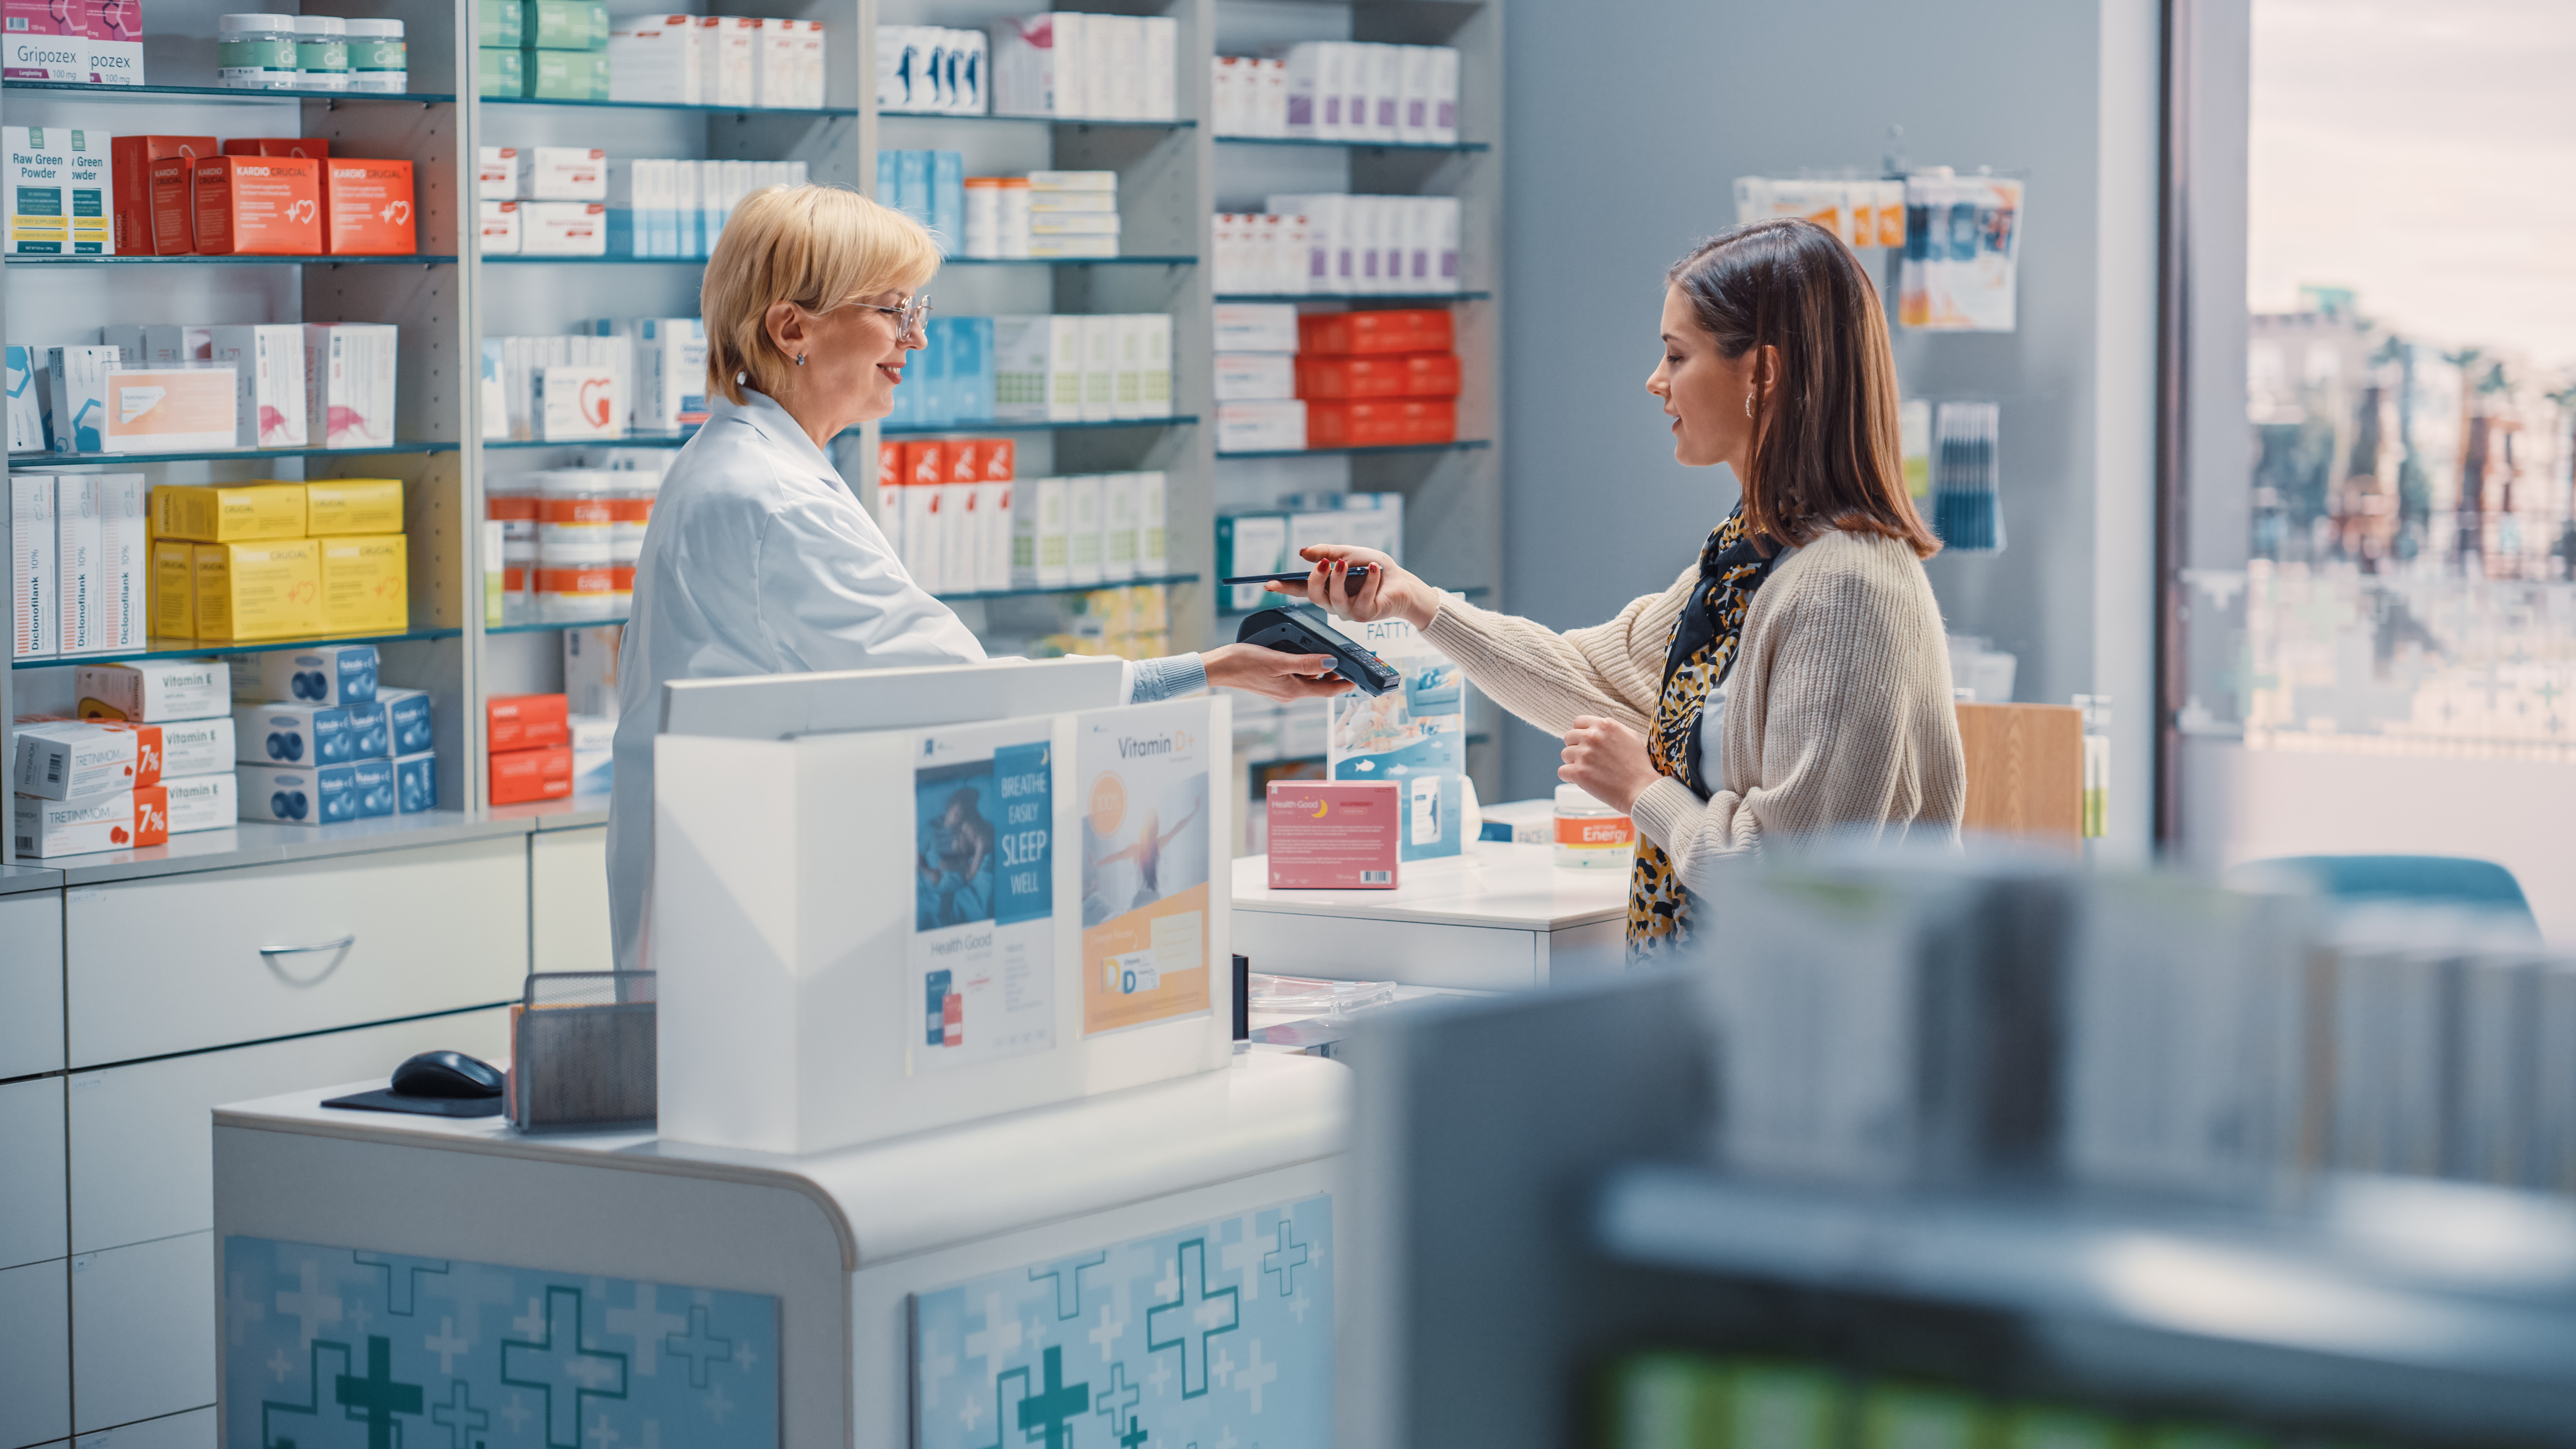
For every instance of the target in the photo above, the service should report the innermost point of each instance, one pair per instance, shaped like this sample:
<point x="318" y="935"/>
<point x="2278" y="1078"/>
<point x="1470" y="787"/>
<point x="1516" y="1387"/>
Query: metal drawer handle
<point x="333" y="944"/>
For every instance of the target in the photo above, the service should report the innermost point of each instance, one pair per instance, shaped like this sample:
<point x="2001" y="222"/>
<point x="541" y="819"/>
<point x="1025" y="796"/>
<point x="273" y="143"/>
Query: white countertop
<point x="1494" y="884"/>
<point x="936" y="1189"/>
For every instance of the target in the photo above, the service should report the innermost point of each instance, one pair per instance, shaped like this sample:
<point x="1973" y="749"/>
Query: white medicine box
<point x="563" y="173"/>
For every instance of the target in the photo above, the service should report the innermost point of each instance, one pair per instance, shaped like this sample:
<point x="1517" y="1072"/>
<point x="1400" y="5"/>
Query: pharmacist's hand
<point x="1607" y="761"/>
<point x="1273" y="674"/>
<point x="1387" y="592"/>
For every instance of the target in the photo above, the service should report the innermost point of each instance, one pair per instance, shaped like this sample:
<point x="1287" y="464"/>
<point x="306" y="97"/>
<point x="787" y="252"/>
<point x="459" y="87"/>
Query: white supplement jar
<point x="322" y="52"/>
<point x="378" y="64"/>
<point x="1591" y="835"/>
<point x="256" y="52"/>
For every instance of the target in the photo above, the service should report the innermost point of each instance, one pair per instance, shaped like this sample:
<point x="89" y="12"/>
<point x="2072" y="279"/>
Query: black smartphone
<point x="1358" y="576"/>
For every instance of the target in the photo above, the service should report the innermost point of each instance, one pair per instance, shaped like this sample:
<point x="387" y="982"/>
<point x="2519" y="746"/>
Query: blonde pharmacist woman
<point x="759" y="560"/>
<point x="1794" y="678"/>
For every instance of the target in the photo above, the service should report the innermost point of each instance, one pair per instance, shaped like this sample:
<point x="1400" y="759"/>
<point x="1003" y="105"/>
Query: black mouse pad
<point x="389" y="1100"/>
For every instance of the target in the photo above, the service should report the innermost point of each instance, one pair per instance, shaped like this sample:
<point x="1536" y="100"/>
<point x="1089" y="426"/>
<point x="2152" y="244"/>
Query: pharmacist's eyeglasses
<point x="912" y="316"/>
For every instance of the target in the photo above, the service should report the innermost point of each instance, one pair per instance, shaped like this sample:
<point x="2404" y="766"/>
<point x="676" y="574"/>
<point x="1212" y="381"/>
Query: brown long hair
<point x="1826" y="451"/>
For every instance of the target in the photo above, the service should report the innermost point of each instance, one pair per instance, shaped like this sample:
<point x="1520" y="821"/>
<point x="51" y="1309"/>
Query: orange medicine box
<point x="367" y="207"/>
<point x="1381" y="423"/>
<point x="1001" y="459"/>
<point x="1406" y="329"/>
<point x="259" y="206"/>
<point x="925" y="463"/>
<point x="1399" y="374"/>
<point x="1334" y="834"/>
<point x="311" y="148"/>
<point x="540" y="774"/>
<point x="524" y="722"/>
<point x="137" y="172"/>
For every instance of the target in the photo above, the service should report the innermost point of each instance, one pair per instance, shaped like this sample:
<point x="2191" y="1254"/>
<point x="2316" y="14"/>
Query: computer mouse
<point x="448" y="1075"/>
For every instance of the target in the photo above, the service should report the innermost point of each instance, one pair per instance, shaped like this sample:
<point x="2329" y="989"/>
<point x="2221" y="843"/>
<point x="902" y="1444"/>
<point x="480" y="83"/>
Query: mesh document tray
<point x="581" y="1052"/>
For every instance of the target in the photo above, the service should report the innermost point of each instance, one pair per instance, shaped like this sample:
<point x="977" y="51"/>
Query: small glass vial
<point x="322" y="52"/>
<point x="1591" y="835"/>
<point x="377" y="62"/>
<point x="256" y="52"/>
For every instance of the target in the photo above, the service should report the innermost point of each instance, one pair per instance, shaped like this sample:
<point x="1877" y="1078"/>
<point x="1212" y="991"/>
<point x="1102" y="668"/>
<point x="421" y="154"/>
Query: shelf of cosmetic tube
<point x="966" y="597"/>
<point x="1415" y="298"/>
<point x="49" y="462"/>
<point x="198" y="95"/>
<point x="921" y="430"/>
<point x="1449" y="146"/>
<point x="1069" y="262"/>
<point x="623" y="440"/>
<point x="1462" y="443"/>
<point x="833" y="111"/>
<point x="300" y="259"/>
<point x="1182" y="125"/>
<point x="195" y="648"/>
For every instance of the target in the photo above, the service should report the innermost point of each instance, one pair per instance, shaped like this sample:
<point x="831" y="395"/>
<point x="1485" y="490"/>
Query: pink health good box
<point x="1335" y="834"/>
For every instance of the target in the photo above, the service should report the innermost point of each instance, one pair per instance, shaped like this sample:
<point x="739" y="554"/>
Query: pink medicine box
<point x="1335" y="835"/>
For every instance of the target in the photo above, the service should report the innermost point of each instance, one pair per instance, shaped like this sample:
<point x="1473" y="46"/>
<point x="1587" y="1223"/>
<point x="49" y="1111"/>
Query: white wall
<point x="1627" y="126"/>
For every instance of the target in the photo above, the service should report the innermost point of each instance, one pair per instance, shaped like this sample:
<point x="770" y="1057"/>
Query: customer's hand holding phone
<point x="1386" y="591"/>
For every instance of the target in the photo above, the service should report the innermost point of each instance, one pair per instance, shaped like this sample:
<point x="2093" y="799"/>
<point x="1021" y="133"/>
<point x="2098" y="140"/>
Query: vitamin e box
<point x="228" y="513"/>
<point x="368" y="205"/>
<point x="259" y="206"/>
<point x="155" y="691"/>
<point x="270" y="590"/>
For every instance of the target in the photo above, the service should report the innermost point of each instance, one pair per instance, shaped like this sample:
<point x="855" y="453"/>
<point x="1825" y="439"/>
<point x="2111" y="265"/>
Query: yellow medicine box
<point x="365" y="584"/>
<point x="174" y="589"/>
<point x="269" y="590"/>
<point x="337" y="507"/>
<point x="229" y="513"/>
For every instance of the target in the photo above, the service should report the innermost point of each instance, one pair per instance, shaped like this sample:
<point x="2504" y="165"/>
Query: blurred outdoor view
<point x="2409" y="578"/>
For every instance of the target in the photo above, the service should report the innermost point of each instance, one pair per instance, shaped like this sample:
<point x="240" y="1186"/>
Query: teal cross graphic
<point x="402" y="1276"/>
<point x="1134" y="1438"/>
<point x="1285" y="1260"/>
<point x="1115" y="1400"/>
<point x="1196" y="1308"/>
<point x="377" y="1398"/>
<point x="311" y="1408"/>
<point x="1054" y="1407"/>
<point x="459" y="1417"/>
<point x="561" y="1363"/>
<point x="698" y="1346"/>
<point x="1067" y="1274"/>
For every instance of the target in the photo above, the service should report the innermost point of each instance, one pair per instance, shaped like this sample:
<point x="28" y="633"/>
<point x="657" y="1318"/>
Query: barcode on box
<point x="1376" y="877"/>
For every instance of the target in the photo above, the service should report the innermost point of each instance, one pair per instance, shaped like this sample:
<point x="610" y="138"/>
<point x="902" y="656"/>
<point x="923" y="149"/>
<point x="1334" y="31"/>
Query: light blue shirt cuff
<point x="1168" y="678"/>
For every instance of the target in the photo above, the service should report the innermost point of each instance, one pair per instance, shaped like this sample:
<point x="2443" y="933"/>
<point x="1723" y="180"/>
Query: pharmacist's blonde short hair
<point x="815" y="246"/>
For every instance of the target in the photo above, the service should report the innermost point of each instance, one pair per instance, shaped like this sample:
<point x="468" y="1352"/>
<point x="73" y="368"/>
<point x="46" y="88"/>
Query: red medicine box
<point x="259" y="206"/>
<point x="1403" y="374"/>
<point x="134" y="160"/>
<point x="1405" y="329"/>
<point x="523" y="775"/>
<point x="311" y="148"/>
<point x="1335" y="834"/>
<point x="368" y="206"/>
<point x="524" y="722"/>
<point x="1001" y="457"/>
<point x="1382" y="423"/>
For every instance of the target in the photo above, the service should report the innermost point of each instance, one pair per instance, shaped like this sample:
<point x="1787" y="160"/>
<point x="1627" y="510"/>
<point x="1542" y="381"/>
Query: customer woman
<point x="759" y="560"/>
<point x="1795" y="678"/>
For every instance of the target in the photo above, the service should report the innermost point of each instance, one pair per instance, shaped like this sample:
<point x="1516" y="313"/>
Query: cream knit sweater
<point x="1838" y="708"/>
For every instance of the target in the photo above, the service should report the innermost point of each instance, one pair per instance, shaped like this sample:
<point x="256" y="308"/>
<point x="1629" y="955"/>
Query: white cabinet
<point x="31" y="1171"/>
<point x="143" y="1331"/>
<point x="568" y="900"/>
<point x="187" y="962"/>
<point x="142" y="1153"/>
<point x="35" y="1355"/>
<point x="31" y="983"/>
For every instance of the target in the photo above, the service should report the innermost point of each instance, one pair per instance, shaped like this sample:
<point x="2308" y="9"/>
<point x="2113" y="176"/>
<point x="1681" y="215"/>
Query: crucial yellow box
<point x="365" y="584"/>
<point x="338" y="507"/>
<point x="267" y="590"/>
<point x="174" y="589"/>
<point x="228" y="513"/>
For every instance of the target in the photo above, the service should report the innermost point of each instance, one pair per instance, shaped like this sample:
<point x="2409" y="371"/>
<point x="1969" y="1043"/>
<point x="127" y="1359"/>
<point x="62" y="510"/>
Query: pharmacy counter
<point x="1504" y="917"/>
<point x="1152" y="1265"/>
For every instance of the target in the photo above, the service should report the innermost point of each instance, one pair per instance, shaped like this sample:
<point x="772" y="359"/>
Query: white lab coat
<point x="758" y="561"/>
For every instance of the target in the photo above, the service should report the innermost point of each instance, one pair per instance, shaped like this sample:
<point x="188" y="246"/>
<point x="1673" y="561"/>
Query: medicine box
<point x="590" y="670"/>
<point x="56" y="182"/>
<point x="100" y="548"/>
<point x="138" y="224"/>
<point x="367" y="207"/>
<point x="1260" y="427"/>
<point x="373" y="782"/>
<point x="154" y="691"/>
<point x="499" y="71"/>
<point x="79" y="384"/>
<point x="563" y="173"/>
<point x="1402" y="374"/>
<point x="353" y="505"/>
<point x="26" y="402"/>
<point x="564" y="75"/>
<point x="408" y="716"/>
<point x="1256" y="327"/>
<point x="228" y="513"/>
<point x="202" y="802"/>
<point x="563" y="228"/>
<point x="499" y="221"/>
<point x="365" y="584"/>
<point x="281" y="733"/>
<point x="496" y="172"/>
<point x="415" y="783"/>
<point x="1410" y="329"/>
<point x="250" y="591"/>
<point x="1248" y="544"/>
<point x="268" y="382"/>
<point x="518" y="776"/>
<point x="370" y="736"/>
<point x="1334" y="834"/>
<point x="169" y="409"/>
<point x="42" y="54"/>
<point x="299" y="794"/>
<point x="310" y="148"/>
<point x="258" y="206"/>
<point x="328" y="674"/>
<point x="123" y="821"/>
<point x="727" y="58"/>
<point x="73" y="759"/>
<point x="524" y="722"/>
<point x="1255" y="376"/>
<point x="33" y="582"/>
<point x="656" y="59"/>
<point x="194" y="746"/>
<point x="349" y="383"/>
<point x="577" y="401"/>
<point x="671" y="373"/>
<point x="1383" y="422"/>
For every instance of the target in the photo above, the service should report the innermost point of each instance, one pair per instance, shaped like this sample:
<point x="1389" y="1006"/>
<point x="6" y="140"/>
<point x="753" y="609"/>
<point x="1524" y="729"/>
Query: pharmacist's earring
<point x="1748" y="404"/>
<point x="800" y="359"/>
